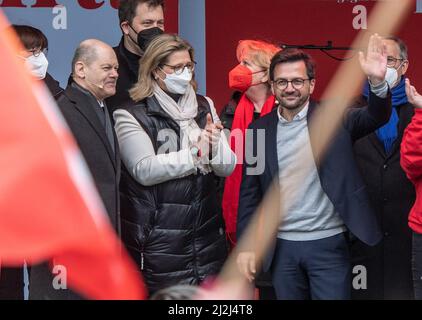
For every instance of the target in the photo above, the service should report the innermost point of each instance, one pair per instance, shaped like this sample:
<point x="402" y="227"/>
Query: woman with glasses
<point x="35" y="50"/>
<point x="171" y="147"/>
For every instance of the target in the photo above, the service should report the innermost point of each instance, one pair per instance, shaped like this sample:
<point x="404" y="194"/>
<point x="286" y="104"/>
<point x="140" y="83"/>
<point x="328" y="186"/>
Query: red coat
<point x="411" y="162"/>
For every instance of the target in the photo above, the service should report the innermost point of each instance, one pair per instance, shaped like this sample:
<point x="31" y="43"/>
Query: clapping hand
<point x="412" y="95"/>
<point x="214" y="134"/>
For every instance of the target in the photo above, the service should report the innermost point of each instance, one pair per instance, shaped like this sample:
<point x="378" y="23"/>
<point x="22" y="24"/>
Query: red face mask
<point x="240" y="78"/>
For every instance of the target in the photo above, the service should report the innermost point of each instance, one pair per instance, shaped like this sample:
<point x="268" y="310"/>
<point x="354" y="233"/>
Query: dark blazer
<point x="104" y="166"/>
<point x="338" y="172"/>
<point x="103" y="162"/>
<point x="392" y="195"/>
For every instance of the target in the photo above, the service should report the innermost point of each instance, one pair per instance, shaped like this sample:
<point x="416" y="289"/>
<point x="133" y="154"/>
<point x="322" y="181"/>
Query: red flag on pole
<point x="49" y="208"/>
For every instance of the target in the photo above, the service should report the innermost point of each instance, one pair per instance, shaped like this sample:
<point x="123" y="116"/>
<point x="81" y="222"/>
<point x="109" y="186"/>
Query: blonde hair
<point x="157" y="54"/>
<point x="257" y="51"/>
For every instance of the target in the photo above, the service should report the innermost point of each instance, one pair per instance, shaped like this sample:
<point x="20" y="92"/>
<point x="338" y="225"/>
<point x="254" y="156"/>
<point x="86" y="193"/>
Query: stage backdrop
<point x="293" y="22"/>
<point x="214" y="28"/>
<point x="67" y="22"/>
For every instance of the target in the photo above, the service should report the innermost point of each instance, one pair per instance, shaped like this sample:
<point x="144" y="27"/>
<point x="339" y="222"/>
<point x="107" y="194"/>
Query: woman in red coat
<point x="411" y="161"/>
<point x="250" y="77"/>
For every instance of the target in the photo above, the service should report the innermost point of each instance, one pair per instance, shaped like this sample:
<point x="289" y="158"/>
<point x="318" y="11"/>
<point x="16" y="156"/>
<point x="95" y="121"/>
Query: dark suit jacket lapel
<point x="311" y="109"/>
<point x="83" y="104"/>
<point x="271" y="143"/>
<point x="116" y="156"/>
<point x="405" y="115"/>
<point x="373" y="138"/>
<point x="271" y="137"/>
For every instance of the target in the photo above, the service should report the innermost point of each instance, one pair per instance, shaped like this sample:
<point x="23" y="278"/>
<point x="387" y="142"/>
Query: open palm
<point x="374" y="64"/>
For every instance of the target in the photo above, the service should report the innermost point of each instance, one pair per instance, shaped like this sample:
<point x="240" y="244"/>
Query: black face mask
<point x="146" y="36"/>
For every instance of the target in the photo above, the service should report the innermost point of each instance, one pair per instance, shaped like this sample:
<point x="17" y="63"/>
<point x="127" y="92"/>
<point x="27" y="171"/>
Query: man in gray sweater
<point x="310" y="259"/>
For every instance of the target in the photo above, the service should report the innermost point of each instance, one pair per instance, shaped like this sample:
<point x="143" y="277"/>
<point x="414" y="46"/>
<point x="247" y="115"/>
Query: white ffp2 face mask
<point x="392" y="77"/>
<point x="38" y="65"/>
<point x="178" y="83"/>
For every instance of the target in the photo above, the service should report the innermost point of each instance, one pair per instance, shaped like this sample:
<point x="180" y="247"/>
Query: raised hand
<point x="412" y="95"/>
<point x="374" y="64"/>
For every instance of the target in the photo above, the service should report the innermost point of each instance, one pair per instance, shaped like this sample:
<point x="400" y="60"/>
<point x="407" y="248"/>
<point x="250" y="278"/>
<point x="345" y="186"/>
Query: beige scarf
<point x="184" y="112"/>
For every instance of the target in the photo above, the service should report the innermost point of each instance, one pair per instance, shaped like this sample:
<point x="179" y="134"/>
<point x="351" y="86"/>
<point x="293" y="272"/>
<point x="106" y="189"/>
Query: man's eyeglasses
<point x="181" y="67"/>
<point x="37" y="51"/>
<point x="392" y="62"/>
<point x="297" y="83"/>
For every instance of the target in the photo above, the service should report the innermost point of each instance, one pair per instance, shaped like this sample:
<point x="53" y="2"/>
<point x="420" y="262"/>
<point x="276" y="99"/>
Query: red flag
<point x="49" y="208"/>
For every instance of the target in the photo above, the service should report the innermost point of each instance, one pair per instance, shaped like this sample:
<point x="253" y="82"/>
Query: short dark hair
<point x="127" y="8"/>
<point x="401" y="44"/>
<point x="31" y="38"/>
<point x="293" y="55"/>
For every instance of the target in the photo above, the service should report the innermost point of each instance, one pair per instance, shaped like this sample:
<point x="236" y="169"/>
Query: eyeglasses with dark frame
<point x="181" y="67"/>
<point x="297" y="83"/>
<point x="392" y="62"/>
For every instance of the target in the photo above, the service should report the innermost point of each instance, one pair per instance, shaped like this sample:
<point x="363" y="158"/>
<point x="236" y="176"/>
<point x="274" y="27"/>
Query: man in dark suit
<point x="392" y="195"/>
<point x="310" y="259"/>
<point x="140" y="21"/>
<point x="94" y="76"/>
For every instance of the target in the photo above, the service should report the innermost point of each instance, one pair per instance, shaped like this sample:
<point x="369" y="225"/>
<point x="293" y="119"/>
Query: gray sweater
<point x="311" y="215"/>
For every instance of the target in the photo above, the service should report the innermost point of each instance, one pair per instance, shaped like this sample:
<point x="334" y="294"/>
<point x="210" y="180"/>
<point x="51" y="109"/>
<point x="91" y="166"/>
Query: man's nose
<point x="290" y="87"/>
<point x="114" y="74"/>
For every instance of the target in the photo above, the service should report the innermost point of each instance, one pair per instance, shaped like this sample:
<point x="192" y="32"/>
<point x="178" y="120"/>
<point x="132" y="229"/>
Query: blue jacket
<point x="337" y="170"/>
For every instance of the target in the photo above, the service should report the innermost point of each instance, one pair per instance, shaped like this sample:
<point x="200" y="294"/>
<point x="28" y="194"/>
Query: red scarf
<point x="243" y="116"/>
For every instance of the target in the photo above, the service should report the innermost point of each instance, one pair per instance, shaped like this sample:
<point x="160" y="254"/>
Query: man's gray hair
<point x="402" y="46"/>
<point x="84" y="52"/>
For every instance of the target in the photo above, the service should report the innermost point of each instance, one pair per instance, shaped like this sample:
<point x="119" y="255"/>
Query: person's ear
<point x="265" y="78"/>
<point x="125" y="27"/>
<point x="80" y="70"/>
<point x="311" y="86"/>
<point x="158" y="74"/>
<point x="405" y="66"/>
